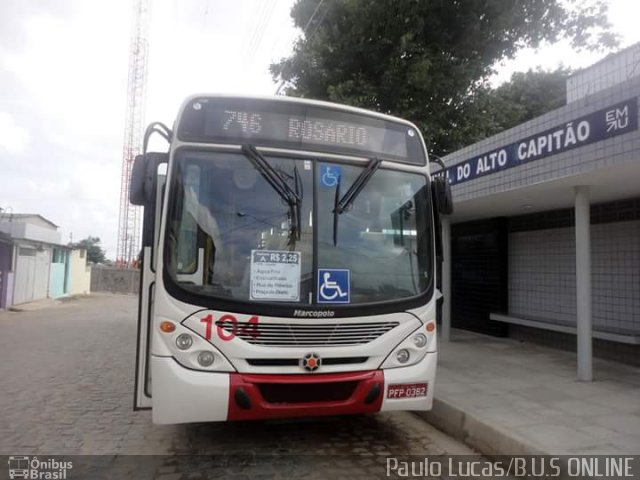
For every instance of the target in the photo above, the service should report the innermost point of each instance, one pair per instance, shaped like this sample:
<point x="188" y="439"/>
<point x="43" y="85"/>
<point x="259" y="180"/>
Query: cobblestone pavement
<point x="66" y="374"/>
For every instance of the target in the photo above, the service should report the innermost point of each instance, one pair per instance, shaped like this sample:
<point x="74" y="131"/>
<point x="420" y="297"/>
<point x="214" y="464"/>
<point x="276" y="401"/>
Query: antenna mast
<point x="130" y="218"/>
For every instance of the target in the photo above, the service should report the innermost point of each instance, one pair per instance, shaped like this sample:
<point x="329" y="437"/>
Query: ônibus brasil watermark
<point x="38" y="469"/>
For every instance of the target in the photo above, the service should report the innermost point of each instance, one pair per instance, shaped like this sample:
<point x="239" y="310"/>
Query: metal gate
<point x="5" y="268"/>
<point x="32" y="275"/>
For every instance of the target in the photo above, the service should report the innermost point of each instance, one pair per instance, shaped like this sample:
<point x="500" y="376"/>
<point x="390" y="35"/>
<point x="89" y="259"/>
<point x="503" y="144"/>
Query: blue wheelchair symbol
<point x="329" y="175"/>
<point x="334" y="286"/>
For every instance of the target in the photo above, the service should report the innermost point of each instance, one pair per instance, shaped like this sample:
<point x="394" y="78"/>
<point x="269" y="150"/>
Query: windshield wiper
<point x="292" y="197"/>
<point x="340" y="205"/>
<point x="298" y="191"/>
<point x="336" y="200"/>
<point x="347" y="200"/>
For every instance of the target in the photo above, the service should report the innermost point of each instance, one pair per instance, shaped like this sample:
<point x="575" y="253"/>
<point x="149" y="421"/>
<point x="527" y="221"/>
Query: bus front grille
<point x="314" y="392"/>
<point x="296" y="335"/>
<point x="294" y="362"/>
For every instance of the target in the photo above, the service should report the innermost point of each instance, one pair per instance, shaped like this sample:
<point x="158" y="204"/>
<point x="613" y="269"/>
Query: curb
<point x="486" y="438"/>
<point x="33" y="306"/>
<point x="476" y="432"/>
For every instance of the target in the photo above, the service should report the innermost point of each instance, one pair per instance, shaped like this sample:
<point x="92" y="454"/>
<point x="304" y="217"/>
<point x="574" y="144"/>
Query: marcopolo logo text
<point x="314" y="313"/>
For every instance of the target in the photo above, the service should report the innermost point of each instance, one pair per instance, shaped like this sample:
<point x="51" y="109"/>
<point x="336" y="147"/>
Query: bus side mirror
<point x="142" y="187"/>
<point x="136" y="184"/>
<point x="442" y="195"/>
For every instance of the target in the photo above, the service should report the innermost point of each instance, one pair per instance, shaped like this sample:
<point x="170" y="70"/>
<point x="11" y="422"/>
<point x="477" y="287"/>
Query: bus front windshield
<point x="231" y="235"/>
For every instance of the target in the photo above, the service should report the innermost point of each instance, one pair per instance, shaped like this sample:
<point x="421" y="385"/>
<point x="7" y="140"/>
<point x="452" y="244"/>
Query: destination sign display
<point x="300" y="126"/>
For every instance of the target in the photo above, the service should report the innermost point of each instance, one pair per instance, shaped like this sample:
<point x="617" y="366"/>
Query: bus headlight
<point x="411" y="350"/>
<point x="419" y="340"/>
<point x="184" y="341"/>
<point x="403" y="355"/>
<point x="191" y="350"/>
<point x="206" y="359"/>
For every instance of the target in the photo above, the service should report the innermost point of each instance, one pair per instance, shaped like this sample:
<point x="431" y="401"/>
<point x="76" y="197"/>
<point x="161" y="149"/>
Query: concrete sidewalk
<point x="35" y="305"/>
<point x="46" y="303"/>
<point x="502" y="396"/>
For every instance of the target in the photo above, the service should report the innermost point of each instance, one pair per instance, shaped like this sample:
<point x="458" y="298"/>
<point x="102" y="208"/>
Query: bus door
<point x="147" y="190"/>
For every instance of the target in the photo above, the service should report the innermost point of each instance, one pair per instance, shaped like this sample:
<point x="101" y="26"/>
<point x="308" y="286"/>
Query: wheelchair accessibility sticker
<point x="334" y="286"/>
<point x="329" y="175"/>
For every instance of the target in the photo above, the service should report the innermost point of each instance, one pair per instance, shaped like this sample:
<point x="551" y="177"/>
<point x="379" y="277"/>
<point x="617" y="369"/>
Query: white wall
<point x="31" y="232"/>
<point x="79" y="273"/>
<point x="610" y="71"/>
<point x="542" y="275"/>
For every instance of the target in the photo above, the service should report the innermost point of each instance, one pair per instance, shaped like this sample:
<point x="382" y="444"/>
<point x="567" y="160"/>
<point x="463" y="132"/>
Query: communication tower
<point x="130" y="218"/>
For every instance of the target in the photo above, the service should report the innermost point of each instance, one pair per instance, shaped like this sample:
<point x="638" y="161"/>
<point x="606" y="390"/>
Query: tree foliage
<point x="426" y="60"/>
<point x="532" y="93"/>
<point x="526" y="96"/>
<point x="95" y="252"/>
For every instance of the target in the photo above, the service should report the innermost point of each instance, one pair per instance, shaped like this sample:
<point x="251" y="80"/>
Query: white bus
<point x="288" y="262"/>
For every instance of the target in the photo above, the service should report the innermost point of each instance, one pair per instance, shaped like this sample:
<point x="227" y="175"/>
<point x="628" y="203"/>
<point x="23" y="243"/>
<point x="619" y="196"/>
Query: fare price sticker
<point x="275" y="275"/>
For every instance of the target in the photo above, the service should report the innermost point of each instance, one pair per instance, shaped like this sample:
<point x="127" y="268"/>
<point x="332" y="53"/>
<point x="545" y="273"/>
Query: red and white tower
<point x="130" y="218"/>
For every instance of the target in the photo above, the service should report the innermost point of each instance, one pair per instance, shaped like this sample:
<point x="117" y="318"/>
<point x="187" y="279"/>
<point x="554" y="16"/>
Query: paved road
<point x="66" y="388"/>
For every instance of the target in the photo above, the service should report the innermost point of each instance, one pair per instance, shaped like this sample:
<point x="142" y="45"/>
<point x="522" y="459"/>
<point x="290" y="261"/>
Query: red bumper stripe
<point x="248" y="387"/>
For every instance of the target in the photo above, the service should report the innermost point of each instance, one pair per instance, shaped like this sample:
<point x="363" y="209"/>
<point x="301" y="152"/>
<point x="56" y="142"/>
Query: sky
<point x="63" y="83"/>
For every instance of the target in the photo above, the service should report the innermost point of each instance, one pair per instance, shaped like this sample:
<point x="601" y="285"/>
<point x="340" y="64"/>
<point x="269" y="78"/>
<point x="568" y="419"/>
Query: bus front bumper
<point x="181" y="395"/>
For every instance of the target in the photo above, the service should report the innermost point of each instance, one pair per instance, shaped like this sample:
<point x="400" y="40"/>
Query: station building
<point x="544" y="243"/>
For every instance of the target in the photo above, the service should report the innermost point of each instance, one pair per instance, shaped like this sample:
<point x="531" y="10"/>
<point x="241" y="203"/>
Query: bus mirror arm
<point x="159" y="128"/>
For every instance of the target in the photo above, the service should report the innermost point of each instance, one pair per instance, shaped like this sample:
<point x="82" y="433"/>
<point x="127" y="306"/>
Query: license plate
<point x="407" y="390"/>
